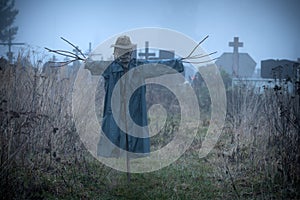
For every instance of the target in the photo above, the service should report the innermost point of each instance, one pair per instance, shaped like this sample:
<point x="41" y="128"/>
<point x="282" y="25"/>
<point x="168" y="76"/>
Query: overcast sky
<point x="268" y="28"/>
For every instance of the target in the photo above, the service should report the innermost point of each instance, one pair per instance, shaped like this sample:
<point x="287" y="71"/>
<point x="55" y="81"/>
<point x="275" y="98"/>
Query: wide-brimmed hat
<point x="123" y="42"/>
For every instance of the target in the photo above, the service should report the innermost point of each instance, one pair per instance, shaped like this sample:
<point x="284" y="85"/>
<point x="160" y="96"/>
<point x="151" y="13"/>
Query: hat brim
<point x="132" y="46"/>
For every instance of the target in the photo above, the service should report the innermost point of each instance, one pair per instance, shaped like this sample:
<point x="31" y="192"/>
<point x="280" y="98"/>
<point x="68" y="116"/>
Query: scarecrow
<point x="123" y="63"/>
<point x="121" y="77"/>
<point x="113" y="72"/>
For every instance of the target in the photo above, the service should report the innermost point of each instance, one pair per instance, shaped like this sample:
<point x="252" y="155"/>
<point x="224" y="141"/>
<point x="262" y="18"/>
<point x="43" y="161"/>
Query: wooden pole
<point x="126" y="129"/>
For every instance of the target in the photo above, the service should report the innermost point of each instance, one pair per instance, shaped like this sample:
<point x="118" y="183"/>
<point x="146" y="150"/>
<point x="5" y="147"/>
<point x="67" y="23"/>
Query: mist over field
<point x="230" y="119"/>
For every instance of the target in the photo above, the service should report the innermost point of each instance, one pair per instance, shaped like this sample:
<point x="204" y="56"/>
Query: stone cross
<point x="146" y="54"/>
<point x="235" y="44"/>
<point x="90" y="47"/>
<point x="89" y="51"/>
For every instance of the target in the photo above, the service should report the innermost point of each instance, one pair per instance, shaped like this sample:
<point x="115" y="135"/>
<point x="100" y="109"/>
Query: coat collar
<point x="118" y="67"/>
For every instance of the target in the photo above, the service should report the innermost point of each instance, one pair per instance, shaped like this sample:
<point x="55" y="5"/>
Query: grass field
<point x="42" y="156"/>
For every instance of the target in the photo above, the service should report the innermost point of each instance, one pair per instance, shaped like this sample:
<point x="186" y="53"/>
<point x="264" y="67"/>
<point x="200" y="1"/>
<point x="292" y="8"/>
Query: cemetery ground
<point x="42" y="156"/>
<point x="214" y="177"/>
<point x="187" y="178"/>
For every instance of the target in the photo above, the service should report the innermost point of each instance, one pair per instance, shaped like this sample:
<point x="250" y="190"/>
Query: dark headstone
<point x="281" y="69"/>
<point x="165" y="54"/>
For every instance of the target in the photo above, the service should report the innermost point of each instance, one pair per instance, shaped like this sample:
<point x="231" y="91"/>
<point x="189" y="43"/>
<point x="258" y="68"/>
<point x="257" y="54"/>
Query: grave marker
<point x="146" y="54"/>
<point x="10" y="44"/>
<point x="239" y="65"/>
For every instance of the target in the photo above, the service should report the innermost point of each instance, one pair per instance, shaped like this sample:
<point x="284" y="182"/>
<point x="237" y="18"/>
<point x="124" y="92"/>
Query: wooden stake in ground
<point x="126" y="128"/>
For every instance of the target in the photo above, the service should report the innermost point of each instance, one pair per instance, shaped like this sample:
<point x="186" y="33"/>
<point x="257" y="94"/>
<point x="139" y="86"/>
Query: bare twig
<point x="199" y="56"/>
<point x="68" y="54"/>
<point x="73" y="46"/>
<point x="63" y="53"/>
<point x="200" y="62"/>
<point x="196" y="47"/>
<point x="59" y="52"/>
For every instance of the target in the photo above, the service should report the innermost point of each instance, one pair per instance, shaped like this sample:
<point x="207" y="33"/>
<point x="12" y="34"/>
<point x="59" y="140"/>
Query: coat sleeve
<point x="96" y="67"/>
<point x="156" y="68"/>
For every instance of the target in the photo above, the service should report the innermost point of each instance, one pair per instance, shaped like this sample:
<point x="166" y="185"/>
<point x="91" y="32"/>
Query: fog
<point x="268" y="29"/>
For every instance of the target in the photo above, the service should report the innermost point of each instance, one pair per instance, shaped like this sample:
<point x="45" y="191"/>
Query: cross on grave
<point x="10" y="44"/>
<point x="235" y="44"/>
<point x="146" y="54"/>
<point x="54" y="58"/>
<point x="87" y="52"/>
<point x="90" y="47"/>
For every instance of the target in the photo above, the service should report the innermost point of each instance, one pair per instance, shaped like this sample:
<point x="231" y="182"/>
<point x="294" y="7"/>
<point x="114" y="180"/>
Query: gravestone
<point x="237" y="64"/>
<point x="166" y="54"/>
<point x="280" y="69"/>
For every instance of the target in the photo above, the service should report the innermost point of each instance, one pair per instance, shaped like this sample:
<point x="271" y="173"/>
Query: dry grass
<point x="42" y="157"/>
<point x="258" y="154"/>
